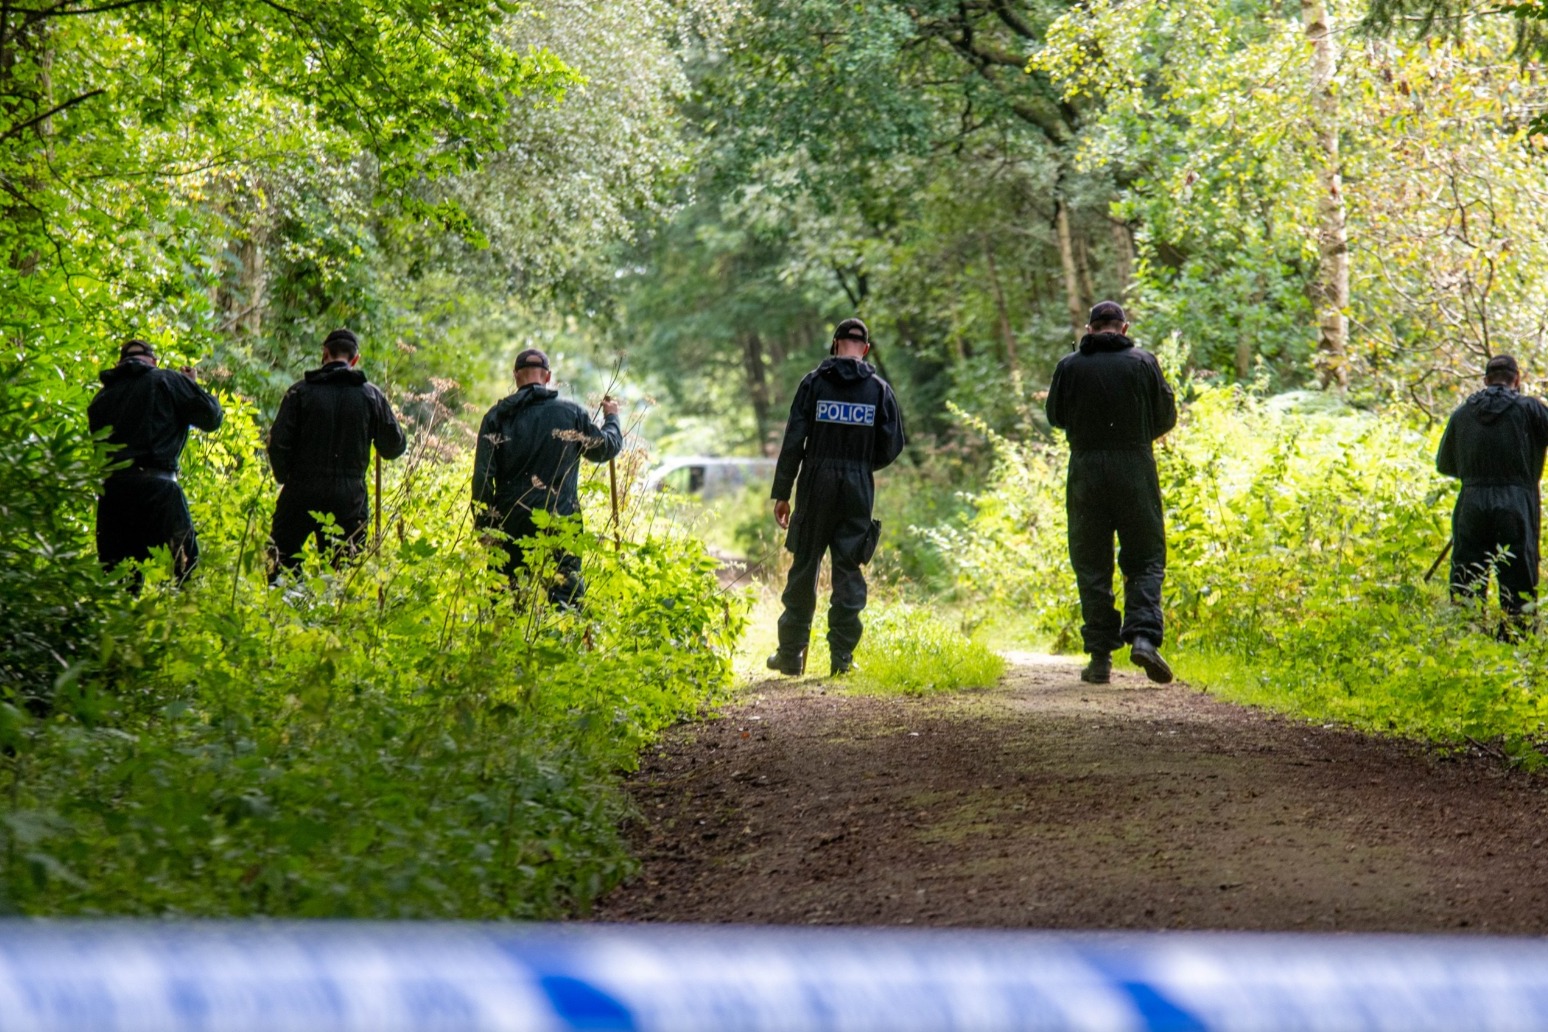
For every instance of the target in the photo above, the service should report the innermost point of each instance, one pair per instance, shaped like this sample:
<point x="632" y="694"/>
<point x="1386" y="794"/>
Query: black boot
<point x="792" y="664"/>
<point x="841" y="663"/>
<point x="1144" y="654"/>
<point x="1099" y="670"/>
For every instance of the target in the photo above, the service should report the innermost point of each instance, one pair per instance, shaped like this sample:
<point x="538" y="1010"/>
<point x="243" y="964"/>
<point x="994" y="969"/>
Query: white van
<point x="708" y="477"/>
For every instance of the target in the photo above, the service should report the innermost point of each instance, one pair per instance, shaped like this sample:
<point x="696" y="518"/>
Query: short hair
<point x="342" y="343"/>
<point x="1502" y="369"/>
<point x="1106" y="313"/>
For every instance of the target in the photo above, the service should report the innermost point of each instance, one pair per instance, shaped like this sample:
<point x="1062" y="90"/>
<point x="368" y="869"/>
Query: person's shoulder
<point x="569" y="406"/>
<point x="169" y="378"/>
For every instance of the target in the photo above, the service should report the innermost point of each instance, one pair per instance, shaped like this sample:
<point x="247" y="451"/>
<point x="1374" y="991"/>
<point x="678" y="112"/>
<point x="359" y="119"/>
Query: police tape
<point x="229" y="977"/>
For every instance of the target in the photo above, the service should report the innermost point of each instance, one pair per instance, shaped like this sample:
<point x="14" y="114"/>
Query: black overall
<point x="844" y="425"/>
<point x="320" y="449"/>
<point x="1494" y="443"/>
<point x="149" y="411"/>
<point x="528" y="456"/>
<point x="1112" y="401"/>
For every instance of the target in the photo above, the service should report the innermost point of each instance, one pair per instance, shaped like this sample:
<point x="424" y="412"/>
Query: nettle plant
<point x="402" y="737"/>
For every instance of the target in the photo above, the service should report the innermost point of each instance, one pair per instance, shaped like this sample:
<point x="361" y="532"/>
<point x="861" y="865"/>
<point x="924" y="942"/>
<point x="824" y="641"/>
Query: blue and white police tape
<point x="229" y="977"/>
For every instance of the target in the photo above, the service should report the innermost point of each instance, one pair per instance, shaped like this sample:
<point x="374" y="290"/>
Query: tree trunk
<point x="1330" y="295"/>
<point x="1123" y="264"/>
<point x="1083" y="267"/>
<point x="1012" y="363"/>
<point x="757" y="387"/>
<point x="1071" y="275"/>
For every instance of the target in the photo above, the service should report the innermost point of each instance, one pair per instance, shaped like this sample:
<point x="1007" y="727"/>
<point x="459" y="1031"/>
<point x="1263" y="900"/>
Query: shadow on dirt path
<point x="1048" y="803"/>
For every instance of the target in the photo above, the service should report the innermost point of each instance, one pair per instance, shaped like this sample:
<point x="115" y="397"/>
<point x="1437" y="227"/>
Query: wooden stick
<point x="612" y="476"/>
<point x="378" y="499"/>
<point x="1439" y="559"/>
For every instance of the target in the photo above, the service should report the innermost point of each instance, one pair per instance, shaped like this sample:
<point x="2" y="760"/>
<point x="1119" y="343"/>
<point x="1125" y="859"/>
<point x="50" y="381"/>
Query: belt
<point x="146" y="471"/>
<point x="1498" y="482"/>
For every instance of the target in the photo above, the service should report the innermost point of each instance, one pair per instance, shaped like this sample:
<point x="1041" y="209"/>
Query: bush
<point x="395" y="739"/>
<point x="55" y="597"/>
<point x="1299" y="534"/>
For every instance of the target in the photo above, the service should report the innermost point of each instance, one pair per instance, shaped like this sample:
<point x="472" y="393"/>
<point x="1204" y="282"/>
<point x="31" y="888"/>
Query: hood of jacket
<point x="336" y="373"/>
<point x="129" y="369"/>
<point x="1091" y="343"/>
<point x="528" y="395"/>
<point x="1492" y="402"/>
<point x="845" y="370"/>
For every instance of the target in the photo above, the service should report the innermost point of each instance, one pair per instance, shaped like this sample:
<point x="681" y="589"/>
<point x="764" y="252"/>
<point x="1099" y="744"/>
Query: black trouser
<point x="567" y="585"/>
<point x="833" y="515"/>
<point x="344" y="498"/>
<point x="1108" y="493"/>
<point x="142" y="509"/>
<point x="1488" y="520"/>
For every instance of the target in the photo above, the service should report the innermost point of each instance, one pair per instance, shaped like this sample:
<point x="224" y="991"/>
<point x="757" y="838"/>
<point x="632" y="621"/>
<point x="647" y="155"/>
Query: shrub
<point x="1299" y="534"/>
<point x="398" y="738"/>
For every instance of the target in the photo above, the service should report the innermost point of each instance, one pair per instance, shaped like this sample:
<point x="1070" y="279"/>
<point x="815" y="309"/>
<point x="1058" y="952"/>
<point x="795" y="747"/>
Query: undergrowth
<point x="908" y="650"/>
<point x="1298" y="535"/>
<point x="401" y="738"/>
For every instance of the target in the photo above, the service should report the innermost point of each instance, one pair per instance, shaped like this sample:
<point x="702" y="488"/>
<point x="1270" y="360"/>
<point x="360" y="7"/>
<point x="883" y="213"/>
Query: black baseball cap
<point x="532" y="358"/>
<point x="1106" y="312"/>
<point x="134" y="347"/>
<point x="852" y="329"/>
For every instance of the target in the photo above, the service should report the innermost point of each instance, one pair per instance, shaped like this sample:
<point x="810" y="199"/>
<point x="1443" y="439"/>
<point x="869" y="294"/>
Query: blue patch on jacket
<point x="846" y="412"/>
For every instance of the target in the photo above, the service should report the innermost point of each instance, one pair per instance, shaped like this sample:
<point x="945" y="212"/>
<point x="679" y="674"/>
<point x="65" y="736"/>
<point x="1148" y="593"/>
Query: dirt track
<point x="1047" y="803"/>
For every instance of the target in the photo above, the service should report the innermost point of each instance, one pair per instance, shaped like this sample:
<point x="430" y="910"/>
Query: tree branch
<point x="56" y="109"/>
<point x="60" y="10"/>
<point x="1012" y="20"/>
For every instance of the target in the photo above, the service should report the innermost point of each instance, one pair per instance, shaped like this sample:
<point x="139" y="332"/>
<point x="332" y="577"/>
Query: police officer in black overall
<point x="148" y="411"/>
<point x="320" y="448"/>
<point x="1494" y="443"/>
<point x="844" y="425"/>
<point x="1110" y="399"/>
<point x="528" y="456"/>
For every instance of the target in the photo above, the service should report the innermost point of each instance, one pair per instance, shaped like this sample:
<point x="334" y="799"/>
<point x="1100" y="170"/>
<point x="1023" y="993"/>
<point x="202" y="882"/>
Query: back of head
<point x="531" y="367"/>
<point x="1502" y="370"/>
<point x="1107" y="317"/>
<point x="851" y="332"/>
<point x="137" y="350"/>
<point x="342" y="344"/>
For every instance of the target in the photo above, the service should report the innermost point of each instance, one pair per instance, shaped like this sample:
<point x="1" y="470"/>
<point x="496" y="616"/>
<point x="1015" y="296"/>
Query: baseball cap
<point x="1104" y="312"/>
<point x="135" y="347"/>
<point x="532" y="358"/>
<point x="852" y="329"/>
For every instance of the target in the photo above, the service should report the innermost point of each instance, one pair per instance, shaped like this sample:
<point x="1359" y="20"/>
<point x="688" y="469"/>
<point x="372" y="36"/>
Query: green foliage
<point x="1206" y="116"/>
<point x="1299" y="533"/>
<point x="49" y="467"/>
<point x="394" y="739"/>
<point x="910" y="650"/>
